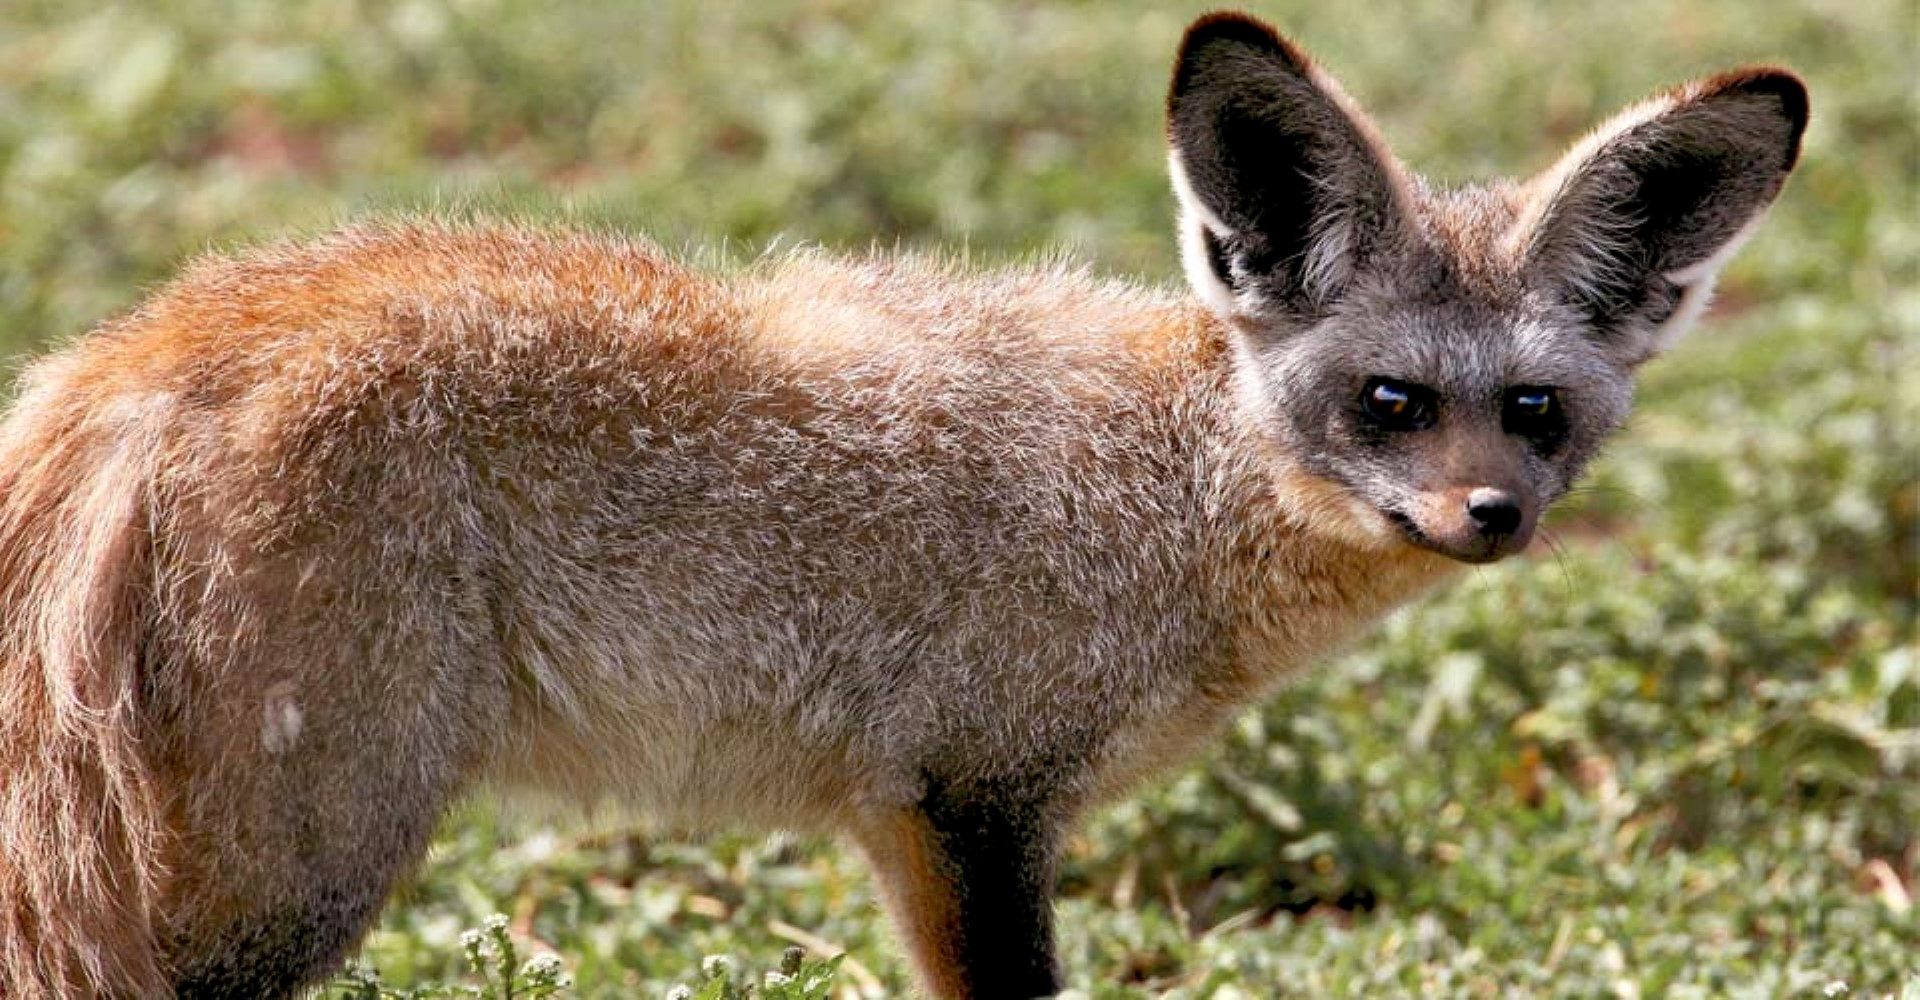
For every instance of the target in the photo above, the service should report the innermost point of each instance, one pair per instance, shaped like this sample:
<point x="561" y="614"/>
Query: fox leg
<point x="309" y="774"/>
<point x="967" y="876"/>
<point x="289" y="861"/>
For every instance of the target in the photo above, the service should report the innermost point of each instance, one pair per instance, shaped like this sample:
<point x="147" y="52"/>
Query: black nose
<point x="1495" y="512"/>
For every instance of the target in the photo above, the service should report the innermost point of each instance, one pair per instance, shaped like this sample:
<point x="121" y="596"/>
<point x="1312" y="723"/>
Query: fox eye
<point x="1397" y="405"/>
<point x="1532" y="411"/>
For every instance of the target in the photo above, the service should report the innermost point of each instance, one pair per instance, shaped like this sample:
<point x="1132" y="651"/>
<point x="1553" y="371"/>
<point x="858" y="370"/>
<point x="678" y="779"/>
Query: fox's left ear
<point x="1633" y="224"/>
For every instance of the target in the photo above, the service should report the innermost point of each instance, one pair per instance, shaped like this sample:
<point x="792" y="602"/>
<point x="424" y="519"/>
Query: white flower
<point x="545" y="966"/>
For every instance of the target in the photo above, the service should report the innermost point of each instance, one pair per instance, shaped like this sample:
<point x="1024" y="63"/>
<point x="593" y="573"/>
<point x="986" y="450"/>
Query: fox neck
<point x="1304" y="565"/>
<point x="1285" y="569"/>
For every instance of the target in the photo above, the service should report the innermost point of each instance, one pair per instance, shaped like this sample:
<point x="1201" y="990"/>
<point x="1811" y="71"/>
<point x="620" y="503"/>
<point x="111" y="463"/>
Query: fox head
<point x="1452" y="359"/>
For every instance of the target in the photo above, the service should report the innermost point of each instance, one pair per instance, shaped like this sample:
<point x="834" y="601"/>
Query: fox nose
<point x="1494" y="512"/>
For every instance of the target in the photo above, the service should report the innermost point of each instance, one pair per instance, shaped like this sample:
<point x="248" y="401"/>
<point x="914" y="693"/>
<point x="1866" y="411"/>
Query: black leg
<point x="999" y="857"/>
<point x="969" y="877"/>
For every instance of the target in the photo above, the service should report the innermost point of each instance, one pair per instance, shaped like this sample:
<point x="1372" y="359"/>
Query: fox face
<point x="1452" y="359"/>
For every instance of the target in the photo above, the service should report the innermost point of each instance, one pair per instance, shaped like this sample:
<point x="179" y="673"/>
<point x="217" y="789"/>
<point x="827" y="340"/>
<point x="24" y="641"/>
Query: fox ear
<point x="1634" y="223"/>
<point x="1284" y="188"/>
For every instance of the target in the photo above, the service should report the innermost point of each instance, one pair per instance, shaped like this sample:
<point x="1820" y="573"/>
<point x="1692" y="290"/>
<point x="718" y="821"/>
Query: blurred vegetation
<point x="1678" y="755"/>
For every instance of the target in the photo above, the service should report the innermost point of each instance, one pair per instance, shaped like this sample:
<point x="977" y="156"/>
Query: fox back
<point x="324" y="535"/>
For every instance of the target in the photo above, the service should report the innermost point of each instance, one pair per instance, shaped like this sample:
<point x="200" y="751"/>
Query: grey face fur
<point x="1467" y="343"/>
<point x="1513" y="316"/>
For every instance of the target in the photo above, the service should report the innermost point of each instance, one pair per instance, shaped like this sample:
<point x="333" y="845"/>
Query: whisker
<point x="1592" y="490"/>
<point x="1559" y="557"/>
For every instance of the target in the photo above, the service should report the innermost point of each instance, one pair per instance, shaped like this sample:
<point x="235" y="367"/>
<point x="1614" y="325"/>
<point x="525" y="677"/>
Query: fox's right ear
<point x="1284" y="187"/>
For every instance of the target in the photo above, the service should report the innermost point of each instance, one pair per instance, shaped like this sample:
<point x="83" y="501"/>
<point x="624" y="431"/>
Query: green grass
<point x="1681" y="758"/>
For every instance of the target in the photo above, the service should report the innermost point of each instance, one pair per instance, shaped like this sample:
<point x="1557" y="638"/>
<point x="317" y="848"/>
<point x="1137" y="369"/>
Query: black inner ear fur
<point x="1669" y="193"/>
<point x="1275" y="159"/>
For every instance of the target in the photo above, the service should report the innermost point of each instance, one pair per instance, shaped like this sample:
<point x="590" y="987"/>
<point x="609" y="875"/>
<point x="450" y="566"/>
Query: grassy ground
<point x="1680" y="758"/>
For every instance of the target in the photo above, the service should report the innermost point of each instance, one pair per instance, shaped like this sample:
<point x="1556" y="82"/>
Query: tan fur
<point x="324" y="535"/>
<point x="649" y="516"/>
<point x="897" y="848"/>
<point x="79" y="870"/>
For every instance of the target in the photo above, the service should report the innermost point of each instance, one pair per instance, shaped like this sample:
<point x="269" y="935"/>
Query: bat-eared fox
<point x="323" y="536"/>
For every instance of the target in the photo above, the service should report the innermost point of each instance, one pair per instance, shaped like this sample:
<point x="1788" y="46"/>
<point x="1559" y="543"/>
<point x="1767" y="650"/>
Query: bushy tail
<point x="80" y="825"/>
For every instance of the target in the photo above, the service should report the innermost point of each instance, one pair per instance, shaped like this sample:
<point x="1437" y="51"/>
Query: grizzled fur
<point x="324" y="535"/>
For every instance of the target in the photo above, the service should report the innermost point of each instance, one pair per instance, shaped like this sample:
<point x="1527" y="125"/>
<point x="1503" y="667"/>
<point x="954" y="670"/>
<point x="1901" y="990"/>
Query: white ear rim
<point x="1196" y="222"/>
<point x="1697" y="283"/>
<point x="1329" y="261"/>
